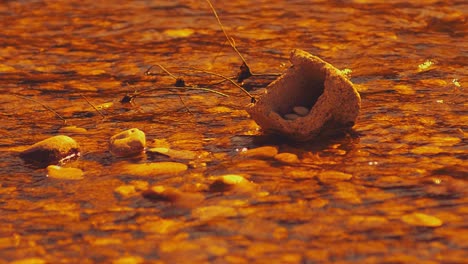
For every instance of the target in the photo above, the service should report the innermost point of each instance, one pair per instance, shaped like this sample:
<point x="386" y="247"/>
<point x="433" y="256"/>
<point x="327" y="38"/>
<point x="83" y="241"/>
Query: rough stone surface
<point x="313" y="84"/>
<point x="128" y="143"/>
<point x="53" y="150"/>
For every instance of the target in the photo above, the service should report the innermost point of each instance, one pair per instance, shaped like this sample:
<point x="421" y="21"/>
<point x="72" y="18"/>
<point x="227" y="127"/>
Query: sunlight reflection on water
<point x="398" y="179"/>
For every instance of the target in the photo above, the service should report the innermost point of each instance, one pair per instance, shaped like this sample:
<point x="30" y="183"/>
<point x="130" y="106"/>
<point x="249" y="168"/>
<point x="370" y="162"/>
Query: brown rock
<point x="51" y="151"/>
<point x="310" y="83"/>
<point x="128" y="143"/>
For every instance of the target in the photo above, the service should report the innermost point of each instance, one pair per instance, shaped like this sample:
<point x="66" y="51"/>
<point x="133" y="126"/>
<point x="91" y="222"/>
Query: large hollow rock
<point x="54" y="150"/>
<point x="311" y="97"/>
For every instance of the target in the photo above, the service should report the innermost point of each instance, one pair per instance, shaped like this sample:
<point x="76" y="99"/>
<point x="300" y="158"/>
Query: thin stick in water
<point x="43" y="105"/>
<point x="179" y="81"/>
<point x="225" y="78"/>
<point x="92" y="105"/>
<point x="129" y="98"/>
<point x="245" y="69"/>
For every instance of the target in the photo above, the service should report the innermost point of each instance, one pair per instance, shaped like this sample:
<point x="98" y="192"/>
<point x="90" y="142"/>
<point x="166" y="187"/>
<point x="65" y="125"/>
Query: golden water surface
<point x="392" y="191"/>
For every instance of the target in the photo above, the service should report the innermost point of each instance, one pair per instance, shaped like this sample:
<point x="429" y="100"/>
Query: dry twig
<point x="225" y="78"/>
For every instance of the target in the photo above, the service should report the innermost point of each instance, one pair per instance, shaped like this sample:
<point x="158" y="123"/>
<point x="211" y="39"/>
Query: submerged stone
<point x="173" y="195"/>
<point x="287" y="158"/>
<point x="311" y="97"/>
<point x="51" y="151"/>
<point x="420" y="219"/>
<point x="153" y="169"/>
<point x="230" y="182"/>
<point x="62" y="173"/>
<point x="128" y="143"/>
<point x="260" y="152"/>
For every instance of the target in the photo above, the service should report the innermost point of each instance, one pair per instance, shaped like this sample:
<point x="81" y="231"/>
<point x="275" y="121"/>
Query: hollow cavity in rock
<point x="327" y="99"/>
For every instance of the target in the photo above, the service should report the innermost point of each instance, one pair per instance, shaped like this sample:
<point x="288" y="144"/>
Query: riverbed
<point x="392" y="190"/>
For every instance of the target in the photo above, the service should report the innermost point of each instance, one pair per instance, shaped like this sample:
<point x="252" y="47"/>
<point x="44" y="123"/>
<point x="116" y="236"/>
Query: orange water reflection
<point x="394" y="191"/>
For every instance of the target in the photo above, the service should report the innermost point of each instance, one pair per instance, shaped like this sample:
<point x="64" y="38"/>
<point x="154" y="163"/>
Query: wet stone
<point x="128" y="143"/>
<point x="173" y="195"/>
<point x="332" y="176"/>
<point x="288" y="158"/>
<point x="208" y="213"/>
<point x="230" y="182"/>
<point x="51" y="151"/>
<point x="62" y="173"/>
<point x="172" y="153"/>
<point x="261" y="152"/>
<point x="334" y="101"/>
<point x="421" y="219"/>
<point x="153" y="168"/>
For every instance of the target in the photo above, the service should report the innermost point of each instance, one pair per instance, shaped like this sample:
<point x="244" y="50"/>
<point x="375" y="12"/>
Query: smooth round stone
<point x="291" y="116"/>
<point x="260" y="152"/>
<point x="173" y="154"/>
<point x="153" y="168"/>
<point x="125" y="190"/>
<point x="173" y="195"/>
<point x="287" y="158"/>
<point x="420" y="219"/>
<point x="53" y="150"/>
<point x="57" y="172"/>
<point x="211" y="212"/>
<point x="332" y="176"/>
<point x="301" y="110"/>
<point x="229" y="182"/>
<point x="128" y="143"/>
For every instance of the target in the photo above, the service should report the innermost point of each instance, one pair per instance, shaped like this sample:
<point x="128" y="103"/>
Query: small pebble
<point x="129" y="260"/>
<point x="211" y="212"/>
<point x="173" y="154"/>
<point x="62" y="173"/>
<point x="153" y="169"/>
<point x="128" y="143"/>
<point x="287" y="158"/>
<point x="125" y="190"/>
<point x="301" y="110"/>
<point x="333" y="176"/>
<point x="230" y="182"/>
<point x="420" y="219"/>
<point x="29" y="261"/>
<point x="291" y="116"/>
<point x="260" y="152"/>
<point x="173" y="195"/>
<point x="53" y="150"/>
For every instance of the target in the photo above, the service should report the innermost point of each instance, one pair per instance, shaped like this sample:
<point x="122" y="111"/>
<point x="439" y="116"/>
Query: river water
<point x="392" y="191"/>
